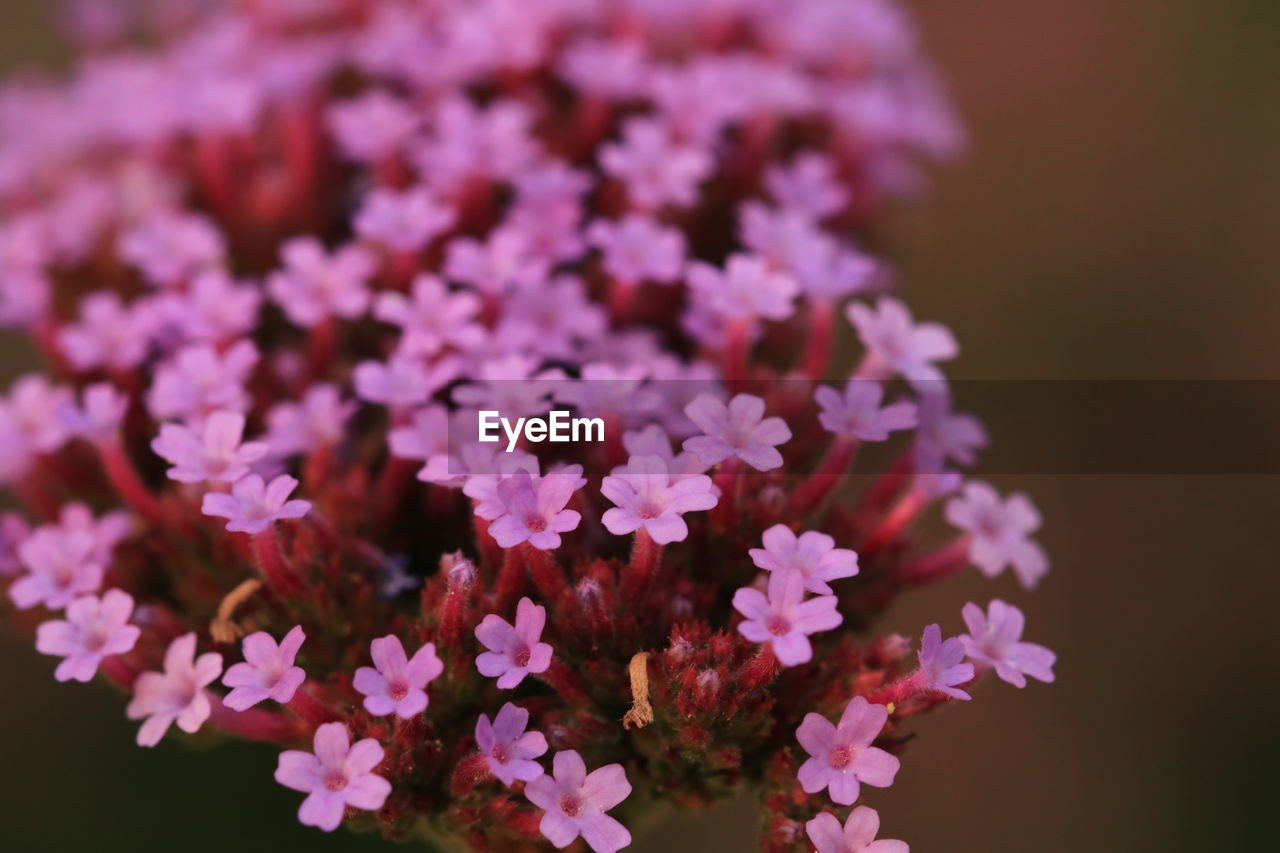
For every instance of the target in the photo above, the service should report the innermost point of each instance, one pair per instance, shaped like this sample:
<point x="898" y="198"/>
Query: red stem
<point x="545" y="572"/>
<point x="646" y="557"/>
<point x="818" y="347"/>
<point x="826" y="476"/>
<point x="281" y="577"/>
<point x="937" y="564"/>
<point x="125" y="480"/>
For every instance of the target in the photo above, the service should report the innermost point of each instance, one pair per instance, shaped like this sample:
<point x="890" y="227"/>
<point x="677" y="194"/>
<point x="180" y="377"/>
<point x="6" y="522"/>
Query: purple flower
<point x="858" y="835"/>
<point x="403" y="220"/>
<point x="637" y="249"/>
<point x="1000" y="532"/>
<point x="14" y="530"/>
<point x="316" y="285"/>
<point x="211" y="310"/>
<point x="199" y="379"/>
<point x="60" y="564"/>
<point x="318" y="421"/>
<point x="748" y="288"/>
<point x="858" y="412"/>
<point x="171" y="248"/>
<point x="535" y="512"/>
<point x="433" y="318"/>
<point x="944" y="435"/>
<point x="647" y="496"/>
<point x="656" y="169"/>
<point x="940" y="663"/>
<point x="814" y="555"/>
<point x="175" y="695"/>
<point x="893" y="339"/>
<point x="807" y="185"/>
<point x="108" y="334"/>
<point x="841" y="755"/>
<point x="372" y="126"/>
<point x="100" y="413"/>
<point x="502" y="263"/>
<point x="403" y="381"/>
<point x="397" y="685"/>
<point x="214" y="453"/>
<point x="783" y="619"/>
<point x="253" y="505"/>
<point x="507" y="748"/>
<point x="337" y="775"/>
<point x="993" y="641"/>
<point x="575" y="803"/>
<point x="94" y="628"/>
<point x="268" y="671"/>
<point x="738" y="430"/>
<point x="514" y="650"/>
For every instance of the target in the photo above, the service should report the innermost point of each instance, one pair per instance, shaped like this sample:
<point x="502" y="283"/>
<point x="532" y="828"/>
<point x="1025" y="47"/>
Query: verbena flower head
<point x="857" y="835"/>
<point x="279" y="256"/>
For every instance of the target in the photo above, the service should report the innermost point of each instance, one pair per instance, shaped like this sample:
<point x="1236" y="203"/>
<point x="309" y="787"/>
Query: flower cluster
<point x="279" y="259"/>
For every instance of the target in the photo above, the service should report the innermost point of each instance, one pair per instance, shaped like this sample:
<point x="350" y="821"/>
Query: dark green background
<point x="1115" y="218"/>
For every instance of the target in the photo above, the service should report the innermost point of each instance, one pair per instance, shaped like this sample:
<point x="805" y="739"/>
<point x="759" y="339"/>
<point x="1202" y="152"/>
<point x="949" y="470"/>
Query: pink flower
<point x="993" y="641"/>
<point x="433" y="318"/>
<point x="807" y="185"/>
<point x="841" y="756"/>
<point x="858" y="835"/>
<point x="783" y="619"/>
<point x="575" y="803"/>
<point x="902" y="346"/>
<point x="945" y="436"/>
<point x="171" y="248"/>
<point x="214" y="454"/>
<point x="738" y="430"/>
<point x="502" y="263"/>
<point x="858" y="413"/>
<point x="656" y="169"/>
<point x="636" y="249"/>
<point x="268" y="671"/>
<point x="253" y="506"/>
<point x="397" y="685"/>
<point x="535" y="512"/>
<point x="337" y="775"/>
<point x="199" y="379"/>
<point x="212" y="309"/>
<point x="507" y="748"/>
<point x="100" y="413"/>
<point x="372" y="126"/>
<point x="318" y="420"/>
<point x="316" y="285"/>
<point x="60" y="564"/>
<point x="94" y="628"/>
<point x="814" y="555"/>
<point x="1000" y="531"/>
<point x="402" y="220"/>
<point x="514" y="650"/>
<point x="13" y="532"/>
<point x="747" y="289"/>
<point x="175" y="695"/>
<point x="940" y="663"/>
<point x="109" y="334"/>
<point x="403" y="381"/>
<point x="647" y="496"/>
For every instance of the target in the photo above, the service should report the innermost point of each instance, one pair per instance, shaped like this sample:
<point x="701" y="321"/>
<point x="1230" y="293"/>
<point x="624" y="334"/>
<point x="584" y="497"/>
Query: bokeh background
<point x="1117" y="216"/>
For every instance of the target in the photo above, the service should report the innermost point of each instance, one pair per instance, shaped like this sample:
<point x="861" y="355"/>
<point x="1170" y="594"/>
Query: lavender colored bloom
<point x="482" y="487"/>
<point x="994" y="641"/>
<point x="106" y="530"/>
<point x="171" y="248"/>
<point x="14" y="530"/>
<point x="747" y="288"/>
<point x="318" y="420"/>
<point x="372" y="126"/>
<point x="338" y="774"/>
<point x="575" y="803"/>
<point x="901" y="345"/>
<point x="858" y="412"/>
<point x="315" y="284"/>
<point x="507" y="748"/>
<point x="213" y="309"/>
<point x="783" y="619"/>
<point x="647" y="496"/>
<point x="940" y="663"/>
<point x="60" y="564"/>
<point x="93" y="629"/>
<point x="403" y="220"/>
<point x="514" y="651"/>
<point x="502" y="263"/>
<point x="842" y="758"/>
<point x="636" y="249"/>
<point x="814" y="555"/>
<point x="653" y="440"/>
<point x="398" y="683"/>
<point x="1000" y="532"/>
<point x="100" y="413"/>
<point x="109" y="334"/>
<point x="214" y="453"/>
<point x="656" y="169"/>
<point x="267" y="672"/>
<point x="433" y="318"/>
<point x="535" y="512"/>
<point x="858" y="835"/>
<point x="33" y="411"/>
<point x="198" y="379"/>
<point x="403" y="381"/>
<point x="253" y="505"/>
<point x="807" y="185"/>
<point x="175" y="695"/>
<point x="512" y="385"/>
<point x="738" y="430"/>
<point x="943" y="435"/>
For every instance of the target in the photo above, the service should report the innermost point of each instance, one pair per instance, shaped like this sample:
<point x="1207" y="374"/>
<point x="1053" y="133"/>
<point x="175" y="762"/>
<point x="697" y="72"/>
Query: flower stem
<point x="646" y="558"/>
<point x="826" y="476"/>
<point x="280" y="576"/>
<point x="125" y="480"/>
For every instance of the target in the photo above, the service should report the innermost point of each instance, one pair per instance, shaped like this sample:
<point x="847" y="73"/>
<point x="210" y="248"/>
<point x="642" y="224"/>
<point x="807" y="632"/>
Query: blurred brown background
<point x="1115" y="218"/>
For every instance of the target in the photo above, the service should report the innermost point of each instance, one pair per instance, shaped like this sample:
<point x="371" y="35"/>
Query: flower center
<point x="571" y="805"/>
<point x="777" y="626"/>
<point x="840" y="757"/>
<point x="535" y="523"/>
<point x="523" y="656"/>
<point x="499" y="753"/>
<point x="335" y="781"/>
<point x="649" y="509"/>
<point x="397" y="690"/>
